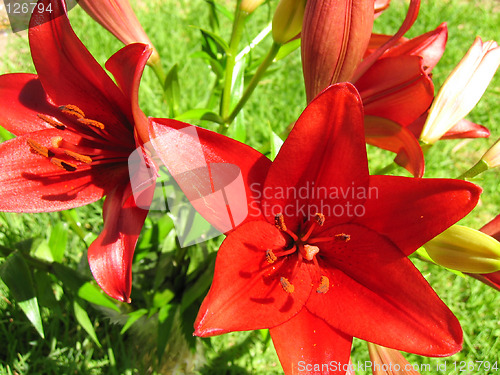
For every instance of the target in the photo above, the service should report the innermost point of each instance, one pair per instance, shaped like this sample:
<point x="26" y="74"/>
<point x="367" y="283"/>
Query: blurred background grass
<point x="278" y="101"/>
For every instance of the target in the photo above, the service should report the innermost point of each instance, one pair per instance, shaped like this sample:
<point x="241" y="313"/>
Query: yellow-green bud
<point x="250" y="5"/>
<point x="492" y="156"/>
<point x="287" y="20"/>
<point x="465" y="249"/>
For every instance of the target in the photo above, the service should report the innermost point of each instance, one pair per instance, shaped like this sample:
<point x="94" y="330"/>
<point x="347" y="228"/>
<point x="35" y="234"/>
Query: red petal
<point x="192" y="154"/>
<point x="70" y="75"/>
<point x="430" y="46"/>
<point x="411" y="211"/>
<point x="246" y="293"/>
<point x="127" y="66"/>
<point x="377" y="40"/>
<point x="396" y="88"/>
<point x="110" y="255"/>
<point x="492" y="228"/>
<point x="325" y="150"/>
<point x="31" y="183"/>
<point x="390" y="136"/>
<point x="466" y="129"/>
<point x="307" y="345"/>
<point x="21" y="99"/>
<point x="377" y="294"/>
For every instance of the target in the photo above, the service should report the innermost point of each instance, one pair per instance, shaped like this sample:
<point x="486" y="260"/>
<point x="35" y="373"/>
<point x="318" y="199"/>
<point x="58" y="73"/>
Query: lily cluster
<point x="315" y="278"/>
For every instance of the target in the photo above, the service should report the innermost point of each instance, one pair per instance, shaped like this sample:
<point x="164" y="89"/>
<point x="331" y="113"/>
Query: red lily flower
<point x="75" y="130"/>
<point x="318" y="264"/>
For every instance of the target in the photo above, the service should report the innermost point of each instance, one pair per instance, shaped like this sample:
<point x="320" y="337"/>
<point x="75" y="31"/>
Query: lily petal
<point x="188" y="152"/>
<point x="110" y="255"/>
<point x="492" y="228"/>
<point x="309" y="341"/>
<point x="31" y="183"/>
<point x="387" y="299"/>
<point x="325" y="149"/>
<point x="246" y="293"/>
<point x="387" y="361"/>
<point x="430" y="206"/>
<point x="21" y="98"/>
<point x="390" y="136"/>
<point x="466" y="129"/>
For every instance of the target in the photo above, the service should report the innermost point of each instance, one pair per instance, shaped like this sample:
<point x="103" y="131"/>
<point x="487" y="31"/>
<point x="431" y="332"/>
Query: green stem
<point x="268" y="60"/>
<point x="159" y="72"/>
<point x="238" y="26"/>
<point x="74" y="225"/>
<point x="387" y="169"/>
<point x="480" y="167"/>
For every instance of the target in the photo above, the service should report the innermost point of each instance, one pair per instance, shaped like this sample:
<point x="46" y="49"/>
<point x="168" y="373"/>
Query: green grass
<point x="277" y="102"/>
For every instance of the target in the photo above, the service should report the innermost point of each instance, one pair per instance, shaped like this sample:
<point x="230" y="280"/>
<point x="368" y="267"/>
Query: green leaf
<point x="276" y="142"/>
<point x="5" y="135"/>
<point x="95" y="295"/>
<point x="166" y="317"/>
<point x="173" y="90"/>
<point x="83" y="319"/>
<point x="58" y="240"/>
<point x="132" y="318"/>
<point x="17" y="276"/>
<point x="199" y="287"/>
<point x="217" y="45"/>
<point x="200" y="114"/>
<point x="287" y="49"/>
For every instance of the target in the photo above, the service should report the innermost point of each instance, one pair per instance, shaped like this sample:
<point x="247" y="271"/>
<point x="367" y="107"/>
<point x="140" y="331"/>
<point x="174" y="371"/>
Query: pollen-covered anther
<point x="319" y="219"/>
<point x="270" y="257"/>
<point x="63" y="164"/>
<point x="72" y="110"/>
<point x="38" y="148"/>
<point x="324" y="285"/>
<point x="75" y="155"/>
<point x="94" y="123"/>
<point x="309" y="251"/>
<point x="52" y="122"/>
<point x="342" y="237"/>
<point x="287" y="285"/>
<point x="279" y="222"/>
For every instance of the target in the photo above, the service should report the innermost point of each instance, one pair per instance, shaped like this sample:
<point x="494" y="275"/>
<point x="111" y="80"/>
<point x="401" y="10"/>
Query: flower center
<point x="91" y="149"/>
<point x="305" y="247"/>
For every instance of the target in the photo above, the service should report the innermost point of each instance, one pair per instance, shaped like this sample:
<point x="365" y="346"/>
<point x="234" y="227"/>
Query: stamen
<point x="56" y="124"/>
<point x="75" y="155"/>
<point x="94" y="123"/>
<point x="37" y="148"/>
<point x="342" y="237"/>
<point x="279" y="222"/>
<point x="319" y="219"/>
<point x="309" y="251"/>
<point x="270" y="257"/>
<point x="72" y="110"/>
<point x="287" y="285"/>
<point x="324" y="285"/>
<point x="63" y="164"/>
<point x="56" y="141"/>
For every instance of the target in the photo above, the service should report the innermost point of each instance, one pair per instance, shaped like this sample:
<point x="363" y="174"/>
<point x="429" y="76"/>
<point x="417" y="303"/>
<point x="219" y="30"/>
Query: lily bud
<point x="462" y="89"/>
<point x="384" y="359"/>
<point x="118" y="17"/>
<point x="249" y="6"/>
<point x="287" y="20"/>
<point x="492" y="156"/>
<point x="465" y="249"/>
<point x="335" y="37"/>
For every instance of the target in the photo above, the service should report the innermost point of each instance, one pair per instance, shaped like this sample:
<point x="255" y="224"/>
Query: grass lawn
<point x="172" y="26"/>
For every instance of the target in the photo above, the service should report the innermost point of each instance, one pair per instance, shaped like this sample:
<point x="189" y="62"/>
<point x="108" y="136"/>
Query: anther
<point x="75" y="155"/>
<point x="63" y="164"/>
<point x="37" y="148"/>
<point x="72" y="110"/>
<point x="270" y="257"/>
<point x="94" y="123"/>
<point x="324" y="285"/>
<point x="342" y="237"/>
<point x="51" y="121"/>
<point x="309" y="251"/>
<point x="319" y="219"/>
<point x="279" y="222"/>
<point x="287" y="285"/>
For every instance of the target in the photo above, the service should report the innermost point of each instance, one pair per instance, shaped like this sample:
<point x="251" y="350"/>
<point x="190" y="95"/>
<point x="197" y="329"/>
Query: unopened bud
<point x="492" y="156"/>
<point x="465" y="249"/>
<point x="287" y="20"/>
<point x="249" y="6"/>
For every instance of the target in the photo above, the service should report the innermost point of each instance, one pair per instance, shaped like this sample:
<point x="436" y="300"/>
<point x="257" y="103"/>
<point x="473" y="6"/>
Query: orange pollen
<point x="75" y="155"/>
<point x="287" y="285"/>
<point x="63" y="164"/>
<point x="324" y="285"/>
<point x="37" y="148"/>
<point x="72" y="110"/>
<point x="342" y="237"/>
<point x="309" y="251"/>
<point x="94" y="123"/>
<point x="56" y="124"/>
<point x="56" y="141"/>
<point x="319" y="219"/>
<point x="270" y="257"/>
<point x="279" y="222"/>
